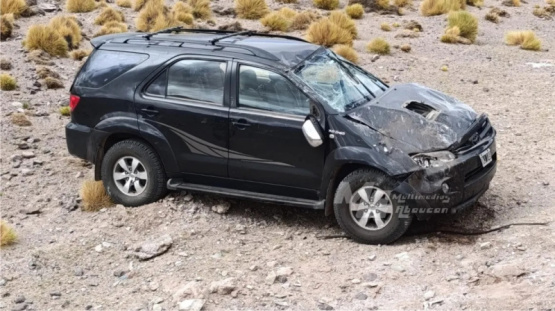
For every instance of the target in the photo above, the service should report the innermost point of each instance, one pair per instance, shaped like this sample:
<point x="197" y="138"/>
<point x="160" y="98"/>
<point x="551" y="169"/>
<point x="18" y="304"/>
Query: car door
<point x="266" y="141"/>
<point x="186" y="102"/>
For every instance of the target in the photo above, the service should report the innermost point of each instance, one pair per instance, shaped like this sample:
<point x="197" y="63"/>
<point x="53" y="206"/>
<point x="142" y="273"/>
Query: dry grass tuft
<point x="451" y="35"/>
<point x="355" y="11"/>
<point x="251" y="9"/>
<point x="346" y="52"/>
<point x="40" y="57"/>
<point x="326" y="4"/>
<point x="385" y="26"/>
<point x="406" y="48"/>
<point x="5" y="64"/>
<point x="287" y="1"/>
<point x="80" y="6"/>
<point x="476" y="3"/>
<point x="344" y="21"/>
<point x="379" y="46"/>
<point x="201" y="8"/>
<point x="44" y="72"/>
<point x="80" y="54"/>
<point x="287" y="12"/>
<point x="94" y="196"/>
<point x="438" y="7"/>
<point x="124" y="3"/>
<point x="7" y="82"/>
<point x="383" y="4"/>
<point x="7" y="234"/>
<point x="65" y="111"/>
<point x="15" y="7"/>
<point x="111" y="28"/>
<point x="68" y="28"/>
<point x="183" y="12"/>
<point x="20" y="119"/>
<point x="303" y="19"/>
<point x="153" y="17"/>
<point x="139" y="4"/>
<point x="325" y="32"/>
<point x="466" y="22"/>
<point x="492" y="17"/>
<point x="109" y="14"/>
<point x="516" y="2"/>
<point x="6" y="26"/>
<point x="47" y="39"/>
<point x="53" y="83"/>
<point x="402" y="3"/>
<point x="527" y="40"/>
<point x="276" y="21"/>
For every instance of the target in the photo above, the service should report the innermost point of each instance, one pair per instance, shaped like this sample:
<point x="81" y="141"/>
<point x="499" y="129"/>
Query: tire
<point x="348" y="199"/>
<point x="147" y="183"/>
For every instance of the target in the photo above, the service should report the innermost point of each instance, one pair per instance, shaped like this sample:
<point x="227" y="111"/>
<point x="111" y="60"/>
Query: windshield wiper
<point x="356" y="103"/>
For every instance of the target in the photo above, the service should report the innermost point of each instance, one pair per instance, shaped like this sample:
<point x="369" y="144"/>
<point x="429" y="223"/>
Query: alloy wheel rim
<point x="130" y="176"/>
<point x="371" y="208"/>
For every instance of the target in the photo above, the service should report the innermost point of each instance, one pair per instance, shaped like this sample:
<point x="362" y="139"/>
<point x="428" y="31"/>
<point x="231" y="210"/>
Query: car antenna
<point x="246" y="33"/>
<point x="167" y="30"/>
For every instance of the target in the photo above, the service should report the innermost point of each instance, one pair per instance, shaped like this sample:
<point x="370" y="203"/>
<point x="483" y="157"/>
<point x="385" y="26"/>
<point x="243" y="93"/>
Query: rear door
<point x="186" y="102"/>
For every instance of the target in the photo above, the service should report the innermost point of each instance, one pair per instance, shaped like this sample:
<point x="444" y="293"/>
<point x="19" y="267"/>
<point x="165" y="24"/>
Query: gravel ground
<point x="258" y="256"/>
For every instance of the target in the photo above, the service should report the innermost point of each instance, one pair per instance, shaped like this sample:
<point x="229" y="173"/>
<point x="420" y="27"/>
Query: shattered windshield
<point x="342" y="85"/>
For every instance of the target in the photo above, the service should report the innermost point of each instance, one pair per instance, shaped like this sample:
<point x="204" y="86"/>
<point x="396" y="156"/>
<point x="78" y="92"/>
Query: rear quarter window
<point x="104" y="66"/>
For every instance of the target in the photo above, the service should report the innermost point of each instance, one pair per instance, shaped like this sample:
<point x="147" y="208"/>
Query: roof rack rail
<point x="242" y="33"/>
<point x="226" y="32"/>
<point x="167" y="30"/>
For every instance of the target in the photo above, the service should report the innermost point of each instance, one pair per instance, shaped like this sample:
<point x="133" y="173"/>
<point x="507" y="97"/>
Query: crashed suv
<point x="275" y="119"/>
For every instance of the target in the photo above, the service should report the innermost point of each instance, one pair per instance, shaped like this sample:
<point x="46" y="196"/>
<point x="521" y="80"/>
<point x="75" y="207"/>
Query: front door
<point x="266" y="143"/>
<point x="185" y="102"/>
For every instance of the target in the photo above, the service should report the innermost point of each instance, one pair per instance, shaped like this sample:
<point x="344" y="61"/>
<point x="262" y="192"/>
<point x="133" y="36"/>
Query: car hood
<point x="416" y="115"/>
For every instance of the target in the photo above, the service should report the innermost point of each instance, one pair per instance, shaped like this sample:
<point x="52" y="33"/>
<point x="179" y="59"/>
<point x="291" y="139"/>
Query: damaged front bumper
<point x="449" y="188"/>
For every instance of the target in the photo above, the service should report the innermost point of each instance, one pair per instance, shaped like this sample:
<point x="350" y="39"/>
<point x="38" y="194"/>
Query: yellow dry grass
<point x="6" y="26"/>
<point x="154" y="16"/>
<point x="45" y="38"/>
<point x="385" y="26"/>
<point x="111" y="28"/>
<point x="68" y="28"/>
<point x="466" y="22"/>
<point x="20" y="119"/>
<point x="7" y="234"/>
<point x="326" y="4"/>
<point x="527" y="40"/>
<point x="183" y="12"/>
<point x="276" y="21"/>
<point x="124" y="3"/>
<point x="346" y="52"/>
<point x="379" y="46"/>
<point x="15" y="7"/>
<point x="382" y="4"/>
<point x="516" y="2"/>
<point x="94" y="196"/>
<point x="327" y="33"/>
<point x="80" y="54"/>
<point x="53" y="83"/>
<point x="80" y="6"/>
<point x="7" y="82"/>
<point x="43" y="72"/>
<point x="201" y="8"/>
<point x="344" y="21"/>
<point x="109" y="14"/>
<point x="303" y="19"/>
<point x="355" y="11"/>
<point x="438" y="7"/>
<point x="65" y="111"/>
<point x="451" y="35"/>
<point x="402" y="3"/>
<point x="476" y="3"/>
<point x="251" y="9"/>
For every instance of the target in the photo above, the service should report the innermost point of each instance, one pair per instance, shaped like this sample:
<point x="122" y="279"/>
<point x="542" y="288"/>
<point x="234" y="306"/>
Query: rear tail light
<point x="73" y="101"/>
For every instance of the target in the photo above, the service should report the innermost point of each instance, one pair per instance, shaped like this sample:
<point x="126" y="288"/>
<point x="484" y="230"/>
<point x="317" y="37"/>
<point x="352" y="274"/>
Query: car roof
<point x="289" y="51"/>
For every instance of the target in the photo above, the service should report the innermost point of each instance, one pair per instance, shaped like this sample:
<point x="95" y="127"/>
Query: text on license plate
<point x="485" y="157"/>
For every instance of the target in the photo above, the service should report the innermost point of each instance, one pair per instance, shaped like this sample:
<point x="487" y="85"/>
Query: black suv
<point x="275" y="119"/>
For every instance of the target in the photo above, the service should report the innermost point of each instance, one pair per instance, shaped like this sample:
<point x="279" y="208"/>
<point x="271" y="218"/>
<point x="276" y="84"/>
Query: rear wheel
<point x="366" y="211"/>
<point x="133" y="174"/>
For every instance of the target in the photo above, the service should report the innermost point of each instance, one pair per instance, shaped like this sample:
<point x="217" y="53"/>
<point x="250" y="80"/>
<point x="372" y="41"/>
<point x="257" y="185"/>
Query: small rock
<point x="48" y="7"/>
<point x="429" y="294"/>
<point x="55" y="294"/>
<point x="98" y="248"/>
<point x="19" y="299"/>
<point x="79" y="175"/>
<point x="398" y="268"/>
<point x="78" y="272"/>
<point x="153" y="286"/>
<point x="271" y="278"/>
<point x="119" y="273"/>
<point x="223" y="287"/>
<point x="324" y="306"/>
<point x="485" y="245"/>
<point x="157" y="307"/>
<point x="191" y="289"/>
<point x="375" y="58"/>
<point x="27" y="172"/>
<point x="28" y="154"/>
<point x="221" y="208"/>
<point x="19" y="307"/>
<point x="355" y="281"/>
<point x="191" y="305"/>
<point x="361" y="296"/>
<point x="153" y="248"/>
<point x="372" y="257"/>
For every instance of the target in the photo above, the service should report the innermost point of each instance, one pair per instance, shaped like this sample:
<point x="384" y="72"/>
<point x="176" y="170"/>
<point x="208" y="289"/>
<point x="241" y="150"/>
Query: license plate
<point x="485" y="157"/>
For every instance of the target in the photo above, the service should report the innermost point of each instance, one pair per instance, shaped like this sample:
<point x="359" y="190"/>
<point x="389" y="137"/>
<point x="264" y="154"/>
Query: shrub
<point x="53" y="83"/>
<point x="379" y="46"/>
<point x="43" y="72"/>
<point x="355" y="11"/>
<point x="451" y="35"/>
<point x="526" y="39"/>
<point x="20" y="119"/>
<point x="65" y="111"/>
<point x="124" y="3"/>
<point x="344" y="21"/>
<point x="326" y="33"/>
<point x="346" y="52"/>
<point x="5" y="64"/>
<point x="326" y="4"/>
<point x="81" y="53"/>
<point x="111" y="28"/>
<point x="109" y="14"/>
<point x="15" y="7"/>
<point x="6" y="26"/>
<point x="406" y="48"/>
<point x="303" y="19"/>
<point x="276" y="21"/>
<point x="516" y="2"/>
<point x="183" y="12"/>
<point x="80" y="6"/>
<point x="7" y="82"/>
<point x="287" y="1"/>
<point x="492" y="17"/>
<point x="385" y="26"/>
<point x="68" y="28"/>
<point x="287" y="12"/>
<point x="467" y="23"/>
<point x="382" y="4"/>
<point x="94" y="196"/>
<point x="402" y="3"/>
<point x="438" y="7"/>
<point x="201" y="8"/>
<point x="7" y="234"/>
<point x="476" y="3"/>
<point x="152" y="17"/>
<point x="251" y="9"/>
<point x="40" y="57"/>
<point x="47" y="39"/>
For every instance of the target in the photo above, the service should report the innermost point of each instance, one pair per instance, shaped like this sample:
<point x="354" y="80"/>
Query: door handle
<point x="241" y="124"/>
<point x="150" y="111"/>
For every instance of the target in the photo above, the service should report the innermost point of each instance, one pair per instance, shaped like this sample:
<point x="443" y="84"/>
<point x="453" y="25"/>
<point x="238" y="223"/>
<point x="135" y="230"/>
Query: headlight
<point x="433" y="159"/>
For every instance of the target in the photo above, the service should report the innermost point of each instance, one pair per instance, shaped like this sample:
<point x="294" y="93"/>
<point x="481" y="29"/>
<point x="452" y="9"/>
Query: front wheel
<point x="133" y="174"/>
<point x="365" y="209"/>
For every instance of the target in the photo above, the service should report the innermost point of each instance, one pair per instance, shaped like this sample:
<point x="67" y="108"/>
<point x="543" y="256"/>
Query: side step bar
<point x="178" y="184"/>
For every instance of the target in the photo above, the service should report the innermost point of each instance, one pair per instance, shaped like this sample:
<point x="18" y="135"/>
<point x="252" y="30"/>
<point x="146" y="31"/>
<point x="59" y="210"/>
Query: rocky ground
<point x="230" y="254"/>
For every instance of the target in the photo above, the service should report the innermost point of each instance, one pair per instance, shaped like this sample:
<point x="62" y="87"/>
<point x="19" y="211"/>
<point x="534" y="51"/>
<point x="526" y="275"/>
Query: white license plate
<point x="485" y="157"/>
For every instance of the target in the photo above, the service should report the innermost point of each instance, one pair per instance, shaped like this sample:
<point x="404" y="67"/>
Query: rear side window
<point x="201" y="80"/>
<point x="104" y="66"/>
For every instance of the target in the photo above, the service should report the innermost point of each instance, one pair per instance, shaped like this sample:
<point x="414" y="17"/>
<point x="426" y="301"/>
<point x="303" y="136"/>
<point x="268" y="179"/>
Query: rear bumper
<point x="77" y="138"/>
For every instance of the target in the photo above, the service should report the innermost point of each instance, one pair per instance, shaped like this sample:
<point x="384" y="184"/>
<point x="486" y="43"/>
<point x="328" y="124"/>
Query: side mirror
<point x="312" y="132"/>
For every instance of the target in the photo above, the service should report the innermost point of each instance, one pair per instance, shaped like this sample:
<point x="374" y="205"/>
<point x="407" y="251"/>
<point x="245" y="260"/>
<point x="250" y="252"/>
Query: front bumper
<point x="422" y="193"/>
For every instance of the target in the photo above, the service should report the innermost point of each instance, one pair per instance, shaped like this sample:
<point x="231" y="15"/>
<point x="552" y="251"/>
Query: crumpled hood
<point x="416" y="115"/>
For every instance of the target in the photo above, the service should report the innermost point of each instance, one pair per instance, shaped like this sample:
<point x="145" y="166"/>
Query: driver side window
<point x="265" y="90"/>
